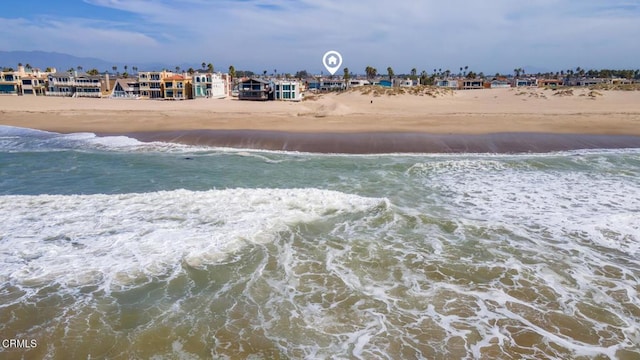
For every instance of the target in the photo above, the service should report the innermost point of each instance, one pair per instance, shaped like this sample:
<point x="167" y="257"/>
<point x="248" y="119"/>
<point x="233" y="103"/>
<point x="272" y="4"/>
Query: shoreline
<point x="389" y="142"/>
<point x="496" y="120"/>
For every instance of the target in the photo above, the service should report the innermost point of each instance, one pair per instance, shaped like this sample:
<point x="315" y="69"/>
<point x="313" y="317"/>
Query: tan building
<point x="151" y="84"/>
<point x="32" y="85"/>
<point x="9" y="83"/>
<point x="176" y="87"/>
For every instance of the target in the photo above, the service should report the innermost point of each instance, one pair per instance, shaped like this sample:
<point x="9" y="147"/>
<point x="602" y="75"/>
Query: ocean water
<point x="113" y="248"/>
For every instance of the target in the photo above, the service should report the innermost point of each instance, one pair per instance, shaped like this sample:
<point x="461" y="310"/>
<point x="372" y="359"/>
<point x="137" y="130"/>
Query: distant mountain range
<point x="63" y="62"/>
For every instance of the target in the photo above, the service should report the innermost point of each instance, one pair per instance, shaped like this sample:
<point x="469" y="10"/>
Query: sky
<point x="289" y="35"/>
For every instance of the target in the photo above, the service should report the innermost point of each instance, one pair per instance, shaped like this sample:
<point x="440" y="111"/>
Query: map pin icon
<point x="332" y="61"/>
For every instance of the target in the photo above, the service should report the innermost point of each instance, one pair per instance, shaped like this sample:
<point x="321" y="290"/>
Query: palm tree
<point x="466" y="67"/>
<point x="346" y="76"/>
<point x="177" y="69"/>
<point x="191" y="71"/>
<point x="232" y="72"/>
<point x="264" y="73"/>
<point x="460" y="74"/>
<point x="414" y="73"/>
<point x="204" y="65"/>
<point x="390" y="73"/>
<point x="135" y="69"/>
<point x="79" y="68"/>
<point x="115" y="69"/>
<point x="28" y="67"/>
<point x="210" y="68"/>
<point x="126" y="68"/>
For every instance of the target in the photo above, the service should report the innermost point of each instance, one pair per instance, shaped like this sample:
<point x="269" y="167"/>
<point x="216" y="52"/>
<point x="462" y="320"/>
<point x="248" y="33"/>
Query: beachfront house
<point x="151" y="84"/>
<point x="585" y="81"/>
<point x="402" y="82"/>
<point x="446" y="83"/>
<point x="9" y="83"/>
<point x="88" y="86"/>
<point x="255" y="89"/>
<point x="60" y="84"/>
<point x="176" y="87"/>
<point x="72" y="84"/>
<point x="499" y="84"/>
<point x="526" y="82"/>
<point x="326" y="84"/>
<point x="207" y="85"/>
<point x="472" y="84"/>
<point x="128" y="88"/>
<point x="358" y="82"/>
<point x="32" y="85"/>
<point x="288" y="90"/>
<point x="553" y="83"/>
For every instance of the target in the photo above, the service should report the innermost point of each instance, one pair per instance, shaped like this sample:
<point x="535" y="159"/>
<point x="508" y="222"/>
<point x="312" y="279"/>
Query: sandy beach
<point x="373" y="118"/>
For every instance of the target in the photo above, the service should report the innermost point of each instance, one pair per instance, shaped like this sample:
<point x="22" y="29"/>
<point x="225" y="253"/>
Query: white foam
<point x="116" y="240"/>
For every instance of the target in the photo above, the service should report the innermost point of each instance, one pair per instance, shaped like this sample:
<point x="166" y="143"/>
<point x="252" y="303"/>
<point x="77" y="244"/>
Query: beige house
<point x="151" y="84"/>
<point x="32" y="85"/>
<point x="9" y="83"/>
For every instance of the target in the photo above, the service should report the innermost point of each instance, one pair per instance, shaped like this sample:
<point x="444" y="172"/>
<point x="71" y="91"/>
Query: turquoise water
<point x="113" y="248"/>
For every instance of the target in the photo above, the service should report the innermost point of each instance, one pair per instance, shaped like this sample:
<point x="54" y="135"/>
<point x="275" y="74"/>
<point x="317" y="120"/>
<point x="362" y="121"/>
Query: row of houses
<point x="165" y="85"/>
<point x="157" y="85"/>
<point x="263" y="89"/>
<point x="147" y="85"/>
<point x="471" y="84"/>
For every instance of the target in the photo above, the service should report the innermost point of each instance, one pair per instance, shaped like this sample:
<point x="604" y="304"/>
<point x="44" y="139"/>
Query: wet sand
<point x="374" y="142"/>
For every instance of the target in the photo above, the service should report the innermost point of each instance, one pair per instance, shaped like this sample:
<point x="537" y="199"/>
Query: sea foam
<point x="117" y="240"/>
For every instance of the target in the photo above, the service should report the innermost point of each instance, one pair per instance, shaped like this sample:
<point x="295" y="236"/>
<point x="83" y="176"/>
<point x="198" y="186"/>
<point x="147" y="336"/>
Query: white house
<point x="402" y="82"/>
<point x="288" y="90"/>
<point x="447" y="83"/>
<point x="208" y="86"/>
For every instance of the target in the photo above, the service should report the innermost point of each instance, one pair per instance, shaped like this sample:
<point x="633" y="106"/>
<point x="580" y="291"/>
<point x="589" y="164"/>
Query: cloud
<point x="84" y="37"/>
<point x="488" y="36"/>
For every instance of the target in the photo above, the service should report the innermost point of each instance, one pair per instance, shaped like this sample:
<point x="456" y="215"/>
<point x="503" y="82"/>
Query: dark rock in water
<point x="188" y="158"/>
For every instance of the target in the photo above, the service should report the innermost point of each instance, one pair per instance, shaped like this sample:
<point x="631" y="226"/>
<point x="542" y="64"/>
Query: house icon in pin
<point x="332" y="60"/>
